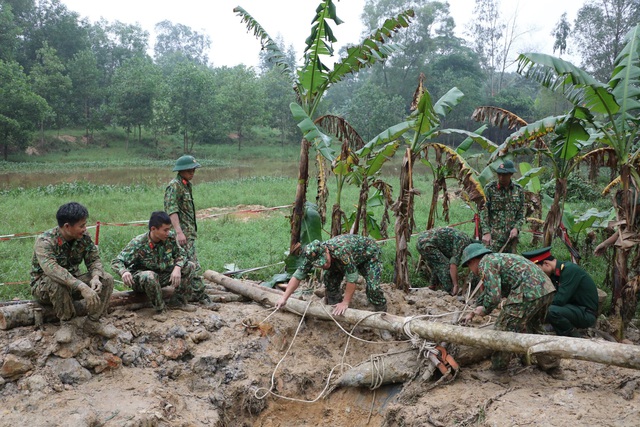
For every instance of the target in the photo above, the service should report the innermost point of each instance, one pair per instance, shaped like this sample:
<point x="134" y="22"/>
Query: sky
<point x="231" y="44"/>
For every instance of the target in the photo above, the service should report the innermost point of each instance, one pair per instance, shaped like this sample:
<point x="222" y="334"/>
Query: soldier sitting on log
<point x="341" y="257"/>
<point x="528" y="292"/>
<point x="56" y="278"/>
<point x="441" y="248"/>
<point x="154" y="260"/>
<point x="575" y="303"/>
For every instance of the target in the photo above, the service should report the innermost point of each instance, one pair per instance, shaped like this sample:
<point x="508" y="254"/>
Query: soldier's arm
<point x="567" y="287"/>
<point x="519" y="213"/>
<point x="43" y="250"/>
<point x="179" y="254"/>
<point x="484" y="212"/>
<point x="92" y="259"/>
<point x="125" y="259"/>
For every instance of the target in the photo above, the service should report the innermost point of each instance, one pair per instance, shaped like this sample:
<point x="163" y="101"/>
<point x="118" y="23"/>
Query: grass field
<point x="245" y="242"/>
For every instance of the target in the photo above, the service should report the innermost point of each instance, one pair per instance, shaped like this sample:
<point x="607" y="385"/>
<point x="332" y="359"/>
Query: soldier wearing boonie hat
<point x="526" y="289"/>
<point x="575" y="304"/>
<point x="345" y="256"/>
<point x="503" y="214"/>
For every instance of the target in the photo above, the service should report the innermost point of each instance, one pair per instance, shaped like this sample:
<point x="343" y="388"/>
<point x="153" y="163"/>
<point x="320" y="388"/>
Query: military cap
<point x="538" y="255"/>
<point x="506" y="167"/>
<point x="185" y="163"/>
<point x="316" y="253"/>
<point x="472" y="251"/>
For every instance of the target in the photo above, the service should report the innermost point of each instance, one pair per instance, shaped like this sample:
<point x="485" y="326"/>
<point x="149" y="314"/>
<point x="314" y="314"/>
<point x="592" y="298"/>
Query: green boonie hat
<point x="185" y="163"/>
<point x="538" y="255"/>
<point x="506" y="167"/>
<point x="315" y="252"/>
<point x="472" y="251"/>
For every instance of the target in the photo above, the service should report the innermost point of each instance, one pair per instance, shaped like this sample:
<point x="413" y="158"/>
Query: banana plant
<point x="313" y="78"/>
<point x="610" y="110"/>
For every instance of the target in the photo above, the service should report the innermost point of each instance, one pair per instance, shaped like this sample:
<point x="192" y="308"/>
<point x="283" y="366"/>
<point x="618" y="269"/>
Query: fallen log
<point x="624" y="355"/>
<point x="31" y="312"/>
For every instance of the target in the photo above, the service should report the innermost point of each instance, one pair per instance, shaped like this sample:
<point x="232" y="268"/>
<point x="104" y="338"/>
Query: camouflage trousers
<point x="530" y="323"/>
<point x="370" y="270"/>
<point x="439" y="265"/>
<point x="50" y="292"/>
<point x="498" y="242"/>
<point x="197" y="285"/>
<point x="151" y="283"/>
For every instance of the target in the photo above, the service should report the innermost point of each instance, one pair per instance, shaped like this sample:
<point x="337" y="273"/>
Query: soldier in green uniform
<point x="503" y="214"/>
<point x="56" y="278"/>
<point x="154" y="260"/>
<point x="575" y="303"/>
<point x="528" y="292"/>
<point x="178" y="203"/>
<point x="442" y="248"/>
<point x="341" y="257"/>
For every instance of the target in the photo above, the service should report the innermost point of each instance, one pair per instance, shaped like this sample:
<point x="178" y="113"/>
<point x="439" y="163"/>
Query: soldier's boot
<point x="333" y="299"/>
<point x="98" y="327"/>
<point x="205" y="302"/>
<point x="178" y="302"/>
<point x="160" y="316"/>
<point x="380" y="308"/>
<point x="65" y="334"/>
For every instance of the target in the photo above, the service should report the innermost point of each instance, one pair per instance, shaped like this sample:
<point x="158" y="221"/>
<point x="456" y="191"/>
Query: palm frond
<point x="558" y="75"/>
<point x="341" y="129"/>
<point x="275" y="54"/>
<point x="497" y="116"/>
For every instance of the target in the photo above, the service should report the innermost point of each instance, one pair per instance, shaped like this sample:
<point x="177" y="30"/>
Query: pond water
<point x="145" y="175"/>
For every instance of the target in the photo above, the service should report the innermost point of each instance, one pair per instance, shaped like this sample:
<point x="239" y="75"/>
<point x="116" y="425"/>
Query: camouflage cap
<point x="538" y="255"/>
<point x="472" y="251"/>
<point x="185" y="163"/>
<point x="316" y="253"/>
<point x="506" y="167"/>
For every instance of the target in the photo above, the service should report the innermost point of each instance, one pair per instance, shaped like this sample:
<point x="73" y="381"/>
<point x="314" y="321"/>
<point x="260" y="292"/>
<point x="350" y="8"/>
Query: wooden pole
<point x="624" y="355"/>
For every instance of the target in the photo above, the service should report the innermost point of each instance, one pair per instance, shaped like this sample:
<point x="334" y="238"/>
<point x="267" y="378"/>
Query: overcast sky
<point x="232" y="45"/>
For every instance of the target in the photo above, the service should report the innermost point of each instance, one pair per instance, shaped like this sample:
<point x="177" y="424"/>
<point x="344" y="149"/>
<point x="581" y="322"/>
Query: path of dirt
<point x="211" y="368"/>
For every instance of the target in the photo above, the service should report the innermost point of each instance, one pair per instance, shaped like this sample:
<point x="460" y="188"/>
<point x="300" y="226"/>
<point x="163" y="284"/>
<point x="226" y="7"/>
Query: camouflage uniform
<point x="350" y="254"/>
<point x="504" y="210"/>
<point x="528" y="292"/>
<point x="178" y="199"/>
<point x="151" y="265"/>
<point x="441" y="247"/>
<point x="55" y="273"/>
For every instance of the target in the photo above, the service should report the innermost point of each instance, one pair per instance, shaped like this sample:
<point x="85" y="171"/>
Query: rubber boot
<point x="65" y="334"/>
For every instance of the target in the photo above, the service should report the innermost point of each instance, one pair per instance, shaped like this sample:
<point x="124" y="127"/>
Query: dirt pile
<point x="216" y="368"/>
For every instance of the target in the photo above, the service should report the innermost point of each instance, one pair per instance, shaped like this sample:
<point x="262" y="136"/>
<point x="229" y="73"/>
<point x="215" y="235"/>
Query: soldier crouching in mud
<point x="341" y="257"/>
<point x="56" y="278"/>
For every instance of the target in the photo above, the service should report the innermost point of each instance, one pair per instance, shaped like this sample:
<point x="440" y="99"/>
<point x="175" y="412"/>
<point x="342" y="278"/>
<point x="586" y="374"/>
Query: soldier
<point x="178" y="203"/>
<point x="442" y="248"/>
<point x="503" y="214"/>
<point x="528" y="292"/>
<point x="575" y="303"/>
<point x="154" y="260"/>
<point x="56" y="278"/>
<point x="342" y="256"/>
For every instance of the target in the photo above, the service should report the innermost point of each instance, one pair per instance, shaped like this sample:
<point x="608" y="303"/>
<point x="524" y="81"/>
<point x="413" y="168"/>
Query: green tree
<point x="560" y="34"/>
<point x="179" y="40"/>
<point x="611" y="111"/>
<point x="20" y="108"/>
<point x="132" y="94"/>
<point x="50" y="80"/>
<point x="312" y="80"/>
<point x="599" y="31"/>
<point x="87" y="92"/>
<point x="278" y="91"/>
<point x="9" y="32"/>
<point x="191" y="101"/>
<point x="239" y="91"/>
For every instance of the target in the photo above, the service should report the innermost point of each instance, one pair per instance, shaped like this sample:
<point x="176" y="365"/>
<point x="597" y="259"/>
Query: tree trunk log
<point x="627" y="356"/>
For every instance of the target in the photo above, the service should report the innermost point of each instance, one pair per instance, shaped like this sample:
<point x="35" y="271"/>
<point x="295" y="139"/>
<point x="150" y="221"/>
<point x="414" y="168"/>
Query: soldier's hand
<point x="176" y="275"/>
<point x="281" y="302"/>
<point x="340" y="308"/>
<point x="181" y="238"/>
<point x="599" y="250"/>
<point x="468" y="318"/>
<point x="127" y="278"/>
<point x="486" y="239"/>
<point x="455" y="290"/>
<point x="96" y="284"/>
<point x="514" y="233"/>
<point x="90" y="296"/>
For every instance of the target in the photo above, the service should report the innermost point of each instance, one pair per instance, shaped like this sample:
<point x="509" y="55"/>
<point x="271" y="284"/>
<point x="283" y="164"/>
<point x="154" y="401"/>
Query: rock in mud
<point x="14" y="367"/>
<point x="69" y="370"/>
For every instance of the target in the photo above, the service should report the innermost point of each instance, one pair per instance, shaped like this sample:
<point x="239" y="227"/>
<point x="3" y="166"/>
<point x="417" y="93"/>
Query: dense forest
<point x="59" y="70"/>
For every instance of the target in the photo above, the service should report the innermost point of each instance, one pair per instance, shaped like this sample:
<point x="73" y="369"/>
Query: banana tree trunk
<point x="403" y="209"/>
<point x="336" y="220"/>
<point x="554" y="217"/>
<point x="434" y="204"/>
<point x="301" y="196"/>
<point x="361" y="211"/>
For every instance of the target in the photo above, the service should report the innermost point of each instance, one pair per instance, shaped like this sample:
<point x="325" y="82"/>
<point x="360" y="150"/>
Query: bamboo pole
<point x="624" y="355"/>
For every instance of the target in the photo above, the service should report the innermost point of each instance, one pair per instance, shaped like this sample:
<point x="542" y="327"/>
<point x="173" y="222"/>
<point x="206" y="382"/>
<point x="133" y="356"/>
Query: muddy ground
<point x="215" y="368"/>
